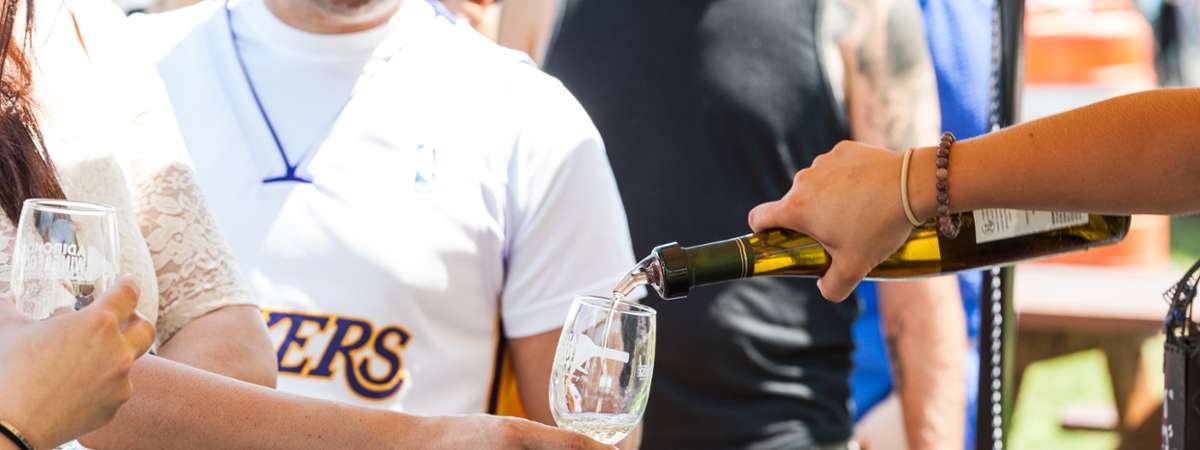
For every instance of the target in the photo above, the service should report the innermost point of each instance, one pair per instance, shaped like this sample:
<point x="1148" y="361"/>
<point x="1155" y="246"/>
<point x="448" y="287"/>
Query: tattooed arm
<point x="891" y="92"/>
<point x="891" y="100"/>
<point x="925" y="330"/>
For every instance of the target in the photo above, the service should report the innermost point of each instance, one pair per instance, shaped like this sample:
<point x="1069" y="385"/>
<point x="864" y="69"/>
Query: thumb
<point x="841" y="279"/>
<point x="774" y="214"/>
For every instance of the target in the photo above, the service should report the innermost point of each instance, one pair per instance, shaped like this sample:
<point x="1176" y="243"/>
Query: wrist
<point x="390" y="429"/>
<point x="922" y="183"/>
<point x="17" y="414"/>
<point x="13" y="436"/>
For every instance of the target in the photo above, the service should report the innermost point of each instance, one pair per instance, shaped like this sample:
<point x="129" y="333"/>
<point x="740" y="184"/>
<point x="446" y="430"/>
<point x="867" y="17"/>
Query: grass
<point x="1185" y="240"/>
<point x="1081" y="378"/>
<point x="1051" y="386"/>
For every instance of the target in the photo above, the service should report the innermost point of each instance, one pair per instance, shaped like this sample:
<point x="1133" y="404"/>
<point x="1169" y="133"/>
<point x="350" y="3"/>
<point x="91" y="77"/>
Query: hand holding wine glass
<point x="602" y="368"/>
<point x="68" y="375"/>
<point x="65" y="256"/>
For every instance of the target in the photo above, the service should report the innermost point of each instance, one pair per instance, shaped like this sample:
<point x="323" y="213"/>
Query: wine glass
<point x="65" y="254"/>
<point x="601" y="377"/>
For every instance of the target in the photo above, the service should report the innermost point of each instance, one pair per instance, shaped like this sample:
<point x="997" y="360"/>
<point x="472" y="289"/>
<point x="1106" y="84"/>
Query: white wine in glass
<point x="600" y="383"/>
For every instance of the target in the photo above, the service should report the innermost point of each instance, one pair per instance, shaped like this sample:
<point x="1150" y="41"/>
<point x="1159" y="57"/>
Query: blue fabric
<point x="871" y="379"/>
<point x="960" y="42"/>
<point x="959" y="38"/>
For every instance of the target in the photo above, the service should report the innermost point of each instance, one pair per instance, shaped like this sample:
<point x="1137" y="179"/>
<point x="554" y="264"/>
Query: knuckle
<point x="127" y="290"/>
<point x="104" y="322"/>
<point x="148" y="325"/>
<point x="843" y="146"/>
<point x="802" y="175"/>
<point x="512" y="431"/>
<point x="570" y="441"/>
<point x="578" y="441"/>
<point x="795" y="202"/>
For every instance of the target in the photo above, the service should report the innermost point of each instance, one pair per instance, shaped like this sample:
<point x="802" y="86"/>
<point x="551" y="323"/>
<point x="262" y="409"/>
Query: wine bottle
<point x="988" y="238"/>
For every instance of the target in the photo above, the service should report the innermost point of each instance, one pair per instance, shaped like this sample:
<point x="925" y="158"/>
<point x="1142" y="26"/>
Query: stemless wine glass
<point x="601" y="381"/>
<point x="65" y="253"/>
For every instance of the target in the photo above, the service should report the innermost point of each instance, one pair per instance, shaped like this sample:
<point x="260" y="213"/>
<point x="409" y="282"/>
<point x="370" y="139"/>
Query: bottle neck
<point x="682" y="268"/>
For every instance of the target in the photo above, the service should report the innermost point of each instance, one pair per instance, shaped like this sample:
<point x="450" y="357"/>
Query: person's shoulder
<point x="469" y="47"/>
<point x="457" y="47"/>
<point x="159" y="33"/>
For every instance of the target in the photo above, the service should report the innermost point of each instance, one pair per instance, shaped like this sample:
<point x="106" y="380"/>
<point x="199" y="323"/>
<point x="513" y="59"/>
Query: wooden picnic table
<point x="1065" y="309"/>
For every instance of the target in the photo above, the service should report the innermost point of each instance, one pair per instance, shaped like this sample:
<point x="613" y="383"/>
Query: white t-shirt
<point x="460" y="188"/>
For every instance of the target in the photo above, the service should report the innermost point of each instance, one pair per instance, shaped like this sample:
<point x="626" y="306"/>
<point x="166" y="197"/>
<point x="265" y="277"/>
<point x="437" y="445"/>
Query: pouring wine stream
<point x="638" y="277"/>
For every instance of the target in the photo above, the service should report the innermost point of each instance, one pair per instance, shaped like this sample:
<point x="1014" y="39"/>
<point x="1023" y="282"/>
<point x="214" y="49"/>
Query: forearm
<point x="532" y="359"/>
<point x="925" y="329"/>
<point x="1138" y="153"/>
<point x="176" y="406"/>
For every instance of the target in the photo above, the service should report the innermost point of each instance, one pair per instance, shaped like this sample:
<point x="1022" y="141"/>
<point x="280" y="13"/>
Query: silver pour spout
<point x="647" y="272"/>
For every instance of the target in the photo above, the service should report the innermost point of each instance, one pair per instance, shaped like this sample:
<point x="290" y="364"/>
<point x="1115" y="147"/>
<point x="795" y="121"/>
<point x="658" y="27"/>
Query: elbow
<point x="258" y="365"/>
<point x="251" y="355"/>
<point x="231" y="341"/>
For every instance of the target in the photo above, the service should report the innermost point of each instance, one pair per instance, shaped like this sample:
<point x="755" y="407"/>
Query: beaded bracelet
<point x="10" y="432"/>
<point x="948" y="225"/>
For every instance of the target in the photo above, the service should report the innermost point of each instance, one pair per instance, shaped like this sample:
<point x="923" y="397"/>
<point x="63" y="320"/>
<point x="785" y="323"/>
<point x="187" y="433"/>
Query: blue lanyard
<point x="290" y="169"/>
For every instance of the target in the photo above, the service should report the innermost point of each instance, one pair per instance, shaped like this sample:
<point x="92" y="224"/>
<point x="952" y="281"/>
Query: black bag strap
<point x="1180" y="298"/>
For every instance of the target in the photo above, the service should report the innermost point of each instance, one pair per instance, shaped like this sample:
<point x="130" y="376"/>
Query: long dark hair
<point x="25" y="168"/>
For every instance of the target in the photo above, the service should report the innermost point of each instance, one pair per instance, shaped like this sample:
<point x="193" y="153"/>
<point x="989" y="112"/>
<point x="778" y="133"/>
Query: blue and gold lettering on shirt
<point x="323" y="346"/>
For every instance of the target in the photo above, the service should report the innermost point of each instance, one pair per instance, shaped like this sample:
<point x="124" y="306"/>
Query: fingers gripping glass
<point x="65" y="254"/>
<point x="600" y="383"/>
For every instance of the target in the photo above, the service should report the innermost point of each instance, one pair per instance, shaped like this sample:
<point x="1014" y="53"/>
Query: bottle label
<point x="998" y="224"/>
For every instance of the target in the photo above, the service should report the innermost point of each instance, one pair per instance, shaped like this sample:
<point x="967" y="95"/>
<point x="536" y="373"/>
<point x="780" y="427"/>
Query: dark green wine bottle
<point x="988" y="238"/>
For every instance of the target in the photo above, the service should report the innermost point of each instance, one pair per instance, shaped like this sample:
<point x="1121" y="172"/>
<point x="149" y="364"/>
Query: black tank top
<point x="708" y="108"/>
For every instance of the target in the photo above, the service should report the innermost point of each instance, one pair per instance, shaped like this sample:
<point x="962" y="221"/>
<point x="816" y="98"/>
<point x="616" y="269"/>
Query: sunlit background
<point x="1089" y="329"/>
<point x="1089" y="345"/>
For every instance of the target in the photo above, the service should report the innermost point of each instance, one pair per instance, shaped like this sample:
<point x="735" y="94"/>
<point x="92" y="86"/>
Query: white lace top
<point x="111" y="134"/>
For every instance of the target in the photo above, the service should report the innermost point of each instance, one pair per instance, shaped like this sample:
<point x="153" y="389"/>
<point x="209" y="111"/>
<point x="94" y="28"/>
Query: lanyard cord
<point x="290" y="169"/>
